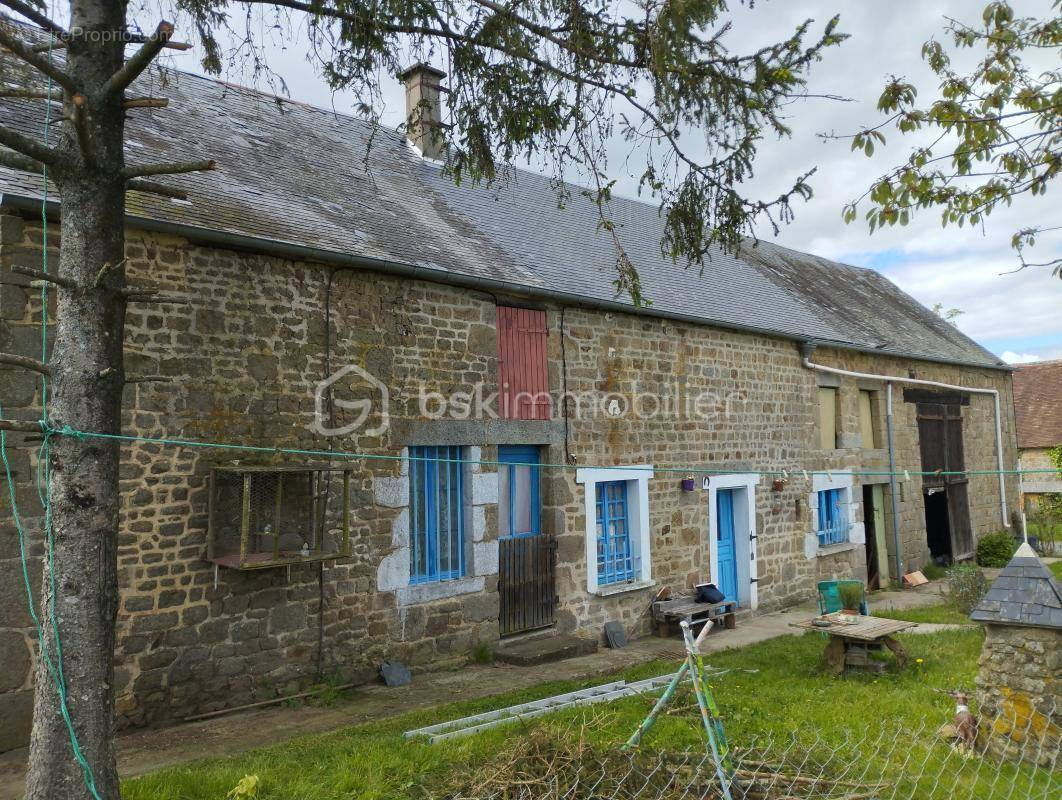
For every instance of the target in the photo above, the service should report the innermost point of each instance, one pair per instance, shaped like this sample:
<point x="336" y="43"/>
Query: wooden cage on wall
<point x="277" y="515"/>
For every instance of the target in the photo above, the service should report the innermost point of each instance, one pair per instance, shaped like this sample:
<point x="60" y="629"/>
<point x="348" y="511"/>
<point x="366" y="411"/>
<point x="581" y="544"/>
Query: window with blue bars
<point x="615" y="562"/>
<point x="436" y="508"/>
<point x="833" y="517"/>
<point x="518" y="491"/>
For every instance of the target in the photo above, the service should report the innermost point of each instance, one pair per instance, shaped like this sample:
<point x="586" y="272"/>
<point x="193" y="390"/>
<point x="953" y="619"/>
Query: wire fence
<point x="1013" y="756"/>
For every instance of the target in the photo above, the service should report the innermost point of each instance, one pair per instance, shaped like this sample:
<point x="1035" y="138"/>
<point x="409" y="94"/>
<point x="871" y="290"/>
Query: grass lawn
<point x="1056" y="568"/>
<point x="787" y="693"/>
<point x="943" y="613"/>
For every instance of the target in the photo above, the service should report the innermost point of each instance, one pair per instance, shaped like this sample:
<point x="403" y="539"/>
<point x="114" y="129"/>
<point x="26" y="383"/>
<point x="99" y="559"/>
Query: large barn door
<point x="947" y="501"/>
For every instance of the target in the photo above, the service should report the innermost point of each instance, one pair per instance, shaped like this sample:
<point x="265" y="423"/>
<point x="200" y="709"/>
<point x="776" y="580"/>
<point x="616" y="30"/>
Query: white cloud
<point x="1019" y="358"/>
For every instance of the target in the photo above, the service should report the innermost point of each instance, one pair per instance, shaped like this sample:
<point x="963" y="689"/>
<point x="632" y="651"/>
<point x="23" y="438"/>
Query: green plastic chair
<point x="830" y="597"/>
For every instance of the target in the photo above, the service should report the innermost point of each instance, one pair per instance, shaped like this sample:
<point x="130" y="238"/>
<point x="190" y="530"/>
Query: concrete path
<point x="146" y="750"/>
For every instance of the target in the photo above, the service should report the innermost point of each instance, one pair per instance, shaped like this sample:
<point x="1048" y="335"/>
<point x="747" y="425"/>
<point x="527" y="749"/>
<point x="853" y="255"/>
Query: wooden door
<point x="726" y="548"/>
<point x="527" y="597"/>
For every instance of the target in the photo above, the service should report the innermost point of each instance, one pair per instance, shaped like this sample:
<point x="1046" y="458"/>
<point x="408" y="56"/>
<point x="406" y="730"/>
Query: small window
<point x="828" y="417"/>
<point x="833" y="517"/>
<point x="615" y="563"/>
<point x="868" y="431"/>
<point x="518" y="491"/>
<point x="436" y="500"/>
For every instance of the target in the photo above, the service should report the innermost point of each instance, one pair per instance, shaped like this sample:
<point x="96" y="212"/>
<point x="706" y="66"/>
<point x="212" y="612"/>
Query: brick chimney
<point x="424" y="109"/>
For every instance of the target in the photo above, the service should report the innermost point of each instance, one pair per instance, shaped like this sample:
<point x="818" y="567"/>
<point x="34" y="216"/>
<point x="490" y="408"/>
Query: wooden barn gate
<point x="941" y="444"/>
<point x="525" y="583"/>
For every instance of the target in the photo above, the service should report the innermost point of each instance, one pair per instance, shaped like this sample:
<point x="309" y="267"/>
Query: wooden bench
<point x="667" y="613"/>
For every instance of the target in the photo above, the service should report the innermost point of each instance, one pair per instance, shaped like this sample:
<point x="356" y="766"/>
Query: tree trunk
<point x="85" y="393"/>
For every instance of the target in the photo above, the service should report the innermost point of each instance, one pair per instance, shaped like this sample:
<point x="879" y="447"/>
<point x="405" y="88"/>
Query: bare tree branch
<point x="28" y="147"/>
<point x="145" y="102"/>
<point x="31" y="13"/>
<point x="19" y="161"/>
<point x="20" y="426"/>
<point x="140" y="170"/>
<point x="133" y="294"/>
<point x="25" y="363"/>
<point x="138" y="185"/>
<point x="140" y="60"/>
<point x="129" y="39"/>
<point x="41" y="63"/>
<point x="41" y="275"/>
<point x="31" y="94"/>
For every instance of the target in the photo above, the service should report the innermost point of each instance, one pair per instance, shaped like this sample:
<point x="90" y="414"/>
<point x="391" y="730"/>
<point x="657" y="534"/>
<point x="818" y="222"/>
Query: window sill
<point x="437" y="590"/>
<point x="833" y="549"/>
<point x="622" y="588"/>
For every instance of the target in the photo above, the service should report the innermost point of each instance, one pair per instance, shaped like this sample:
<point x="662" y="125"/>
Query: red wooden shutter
<point x="523" y="385"/>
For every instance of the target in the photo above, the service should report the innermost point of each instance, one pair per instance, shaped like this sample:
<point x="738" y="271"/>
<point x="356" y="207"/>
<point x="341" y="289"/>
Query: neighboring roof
<point x="1037" y="404"/>
<point x="1025" y="593"/>
<point x="290" y="175"/>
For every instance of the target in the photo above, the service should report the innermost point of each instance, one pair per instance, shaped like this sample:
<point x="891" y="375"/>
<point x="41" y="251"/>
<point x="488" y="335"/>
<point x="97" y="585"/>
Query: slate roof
<point x="1037" y="410"/>
<point x="293" y="175"/>
<point x="1025" y="593"/>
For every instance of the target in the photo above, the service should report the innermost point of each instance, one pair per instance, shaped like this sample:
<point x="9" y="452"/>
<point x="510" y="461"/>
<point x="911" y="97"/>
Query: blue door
<point x="725" y="549"/>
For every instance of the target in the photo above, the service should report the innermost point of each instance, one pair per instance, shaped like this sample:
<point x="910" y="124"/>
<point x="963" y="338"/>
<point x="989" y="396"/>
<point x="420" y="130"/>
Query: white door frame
<point x="744" y="533"/>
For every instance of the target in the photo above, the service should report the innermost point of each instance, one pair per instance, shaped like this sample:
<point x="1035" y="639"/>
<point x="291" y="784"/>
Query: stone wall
<point x="1019" y="692"/>
<point x="1037" y="483"/>
<point x="239" y="363"/>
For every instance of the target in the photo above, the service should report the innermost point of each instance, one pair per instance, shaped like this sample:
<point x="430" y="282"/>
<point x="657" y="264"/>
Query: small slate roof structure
<point x="302" y="182"/>
<point x="1025" y="593"/>
<point x="1037" y="410"/>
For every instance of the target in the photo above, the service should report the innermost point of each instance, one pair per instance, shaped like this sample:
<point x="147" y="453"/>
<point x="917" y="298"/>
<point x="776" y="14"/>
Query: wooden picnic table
<point x="850" y="644"/>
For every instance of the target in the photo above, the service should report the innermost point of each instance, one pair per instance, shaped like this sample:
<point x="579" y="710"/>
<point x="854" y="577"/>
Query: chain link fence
<point x="1014" y="756"/>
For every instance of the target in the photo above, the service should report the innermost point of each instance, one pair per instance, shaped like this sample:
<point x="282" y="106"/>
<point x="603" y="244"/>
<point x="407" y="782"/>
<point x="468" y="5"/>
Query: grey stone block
<point x="15" y="661"/>
<point x="16" y="710"/>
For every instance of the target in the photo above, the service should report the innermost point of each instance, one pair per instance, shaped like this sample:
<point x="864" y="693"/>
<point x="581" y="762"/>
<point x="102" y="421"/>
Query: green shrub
<point x="482" y="653"/>
<point x="933" y="572"/>
<point x="966" y="587"/>
<point x="996" y="549"/>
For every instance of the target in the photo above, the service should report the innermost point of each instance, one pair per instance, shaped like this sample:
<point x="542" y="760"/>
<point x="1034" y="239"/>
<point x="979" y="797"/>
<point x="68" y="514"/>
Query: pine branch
<point x="20" y="162"/>
<point x="20" y="426"/>
<point x="29" y="12"/>
<point x="41" y="275"/>
<point x="145" y="102"/>
<point x="179" y="168"/>
<point x="138" y="185"/>
<point x="28" y="147"/>
<point x="41" y="63"/>
<point x="134" y="294"/>
<point x="31" y="94"/>
<point x="25" y="363"/>
<point x="139" y="61"/>
<point x="128" y="39"/>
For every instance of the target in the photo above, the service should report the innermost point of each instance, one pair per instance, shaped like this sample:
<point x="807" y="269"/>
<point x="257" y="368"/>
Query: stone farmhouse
<point x="536" y="454"/>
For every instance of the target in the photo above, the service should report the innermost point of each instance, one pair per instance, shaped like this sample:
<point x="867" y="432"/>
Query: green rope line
<point x="67" y="430"/>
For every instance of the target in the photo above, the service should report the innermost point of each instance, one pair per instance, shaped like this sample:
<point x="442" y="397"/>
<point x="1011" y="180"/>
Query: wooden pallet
<point x="668" y="613"/>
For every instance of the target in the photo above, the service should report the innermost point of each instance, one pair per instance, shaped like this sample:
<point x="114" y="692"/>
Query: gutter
<point x="808" y="349"/>
<point x="296" y="252"/>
